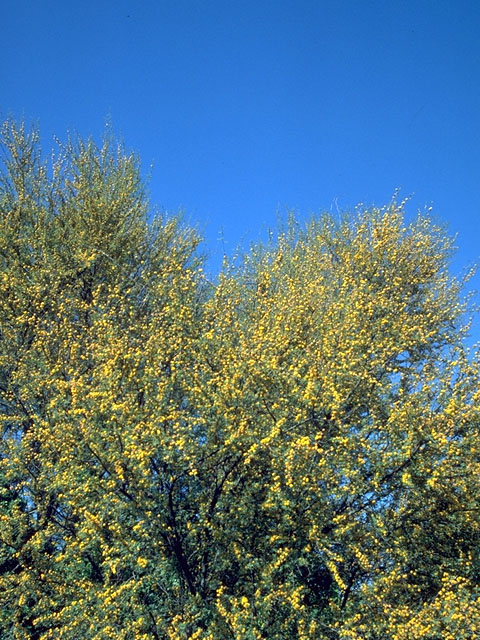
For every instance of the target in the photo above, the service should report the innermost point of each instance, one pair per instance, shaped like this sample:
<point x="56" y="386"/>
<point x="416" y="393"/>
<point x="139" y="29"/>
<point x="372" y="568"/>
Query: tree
<point x="291" y="452"/>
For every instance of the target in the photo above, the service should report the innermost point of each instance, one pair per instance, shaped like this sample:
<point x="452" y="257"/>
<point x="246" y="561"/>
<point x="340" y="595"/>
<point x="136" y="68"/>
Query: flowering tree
<point x="291" y="452"/>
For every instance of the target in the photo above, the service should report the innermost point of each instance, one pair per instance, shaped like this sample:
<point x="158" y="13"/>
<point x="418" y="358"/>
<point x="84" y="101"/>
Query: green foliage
<point x="292" y="452"/>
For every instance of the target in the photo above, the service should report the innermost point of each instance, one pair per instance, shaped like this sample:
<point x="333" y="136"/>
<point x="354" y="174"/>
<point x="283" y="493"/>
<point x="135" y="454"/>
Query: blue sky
<point x="246" y="108"/>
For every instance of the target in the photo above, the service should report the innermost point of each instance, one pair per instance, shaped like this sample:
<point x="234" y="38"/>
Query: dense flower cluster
<point x="291" y="452"/>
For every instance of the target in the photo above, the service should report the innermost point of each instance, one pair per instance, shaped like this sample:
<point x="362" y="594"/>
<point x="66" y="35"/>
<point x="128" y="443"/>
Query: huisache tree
<point x="289" y="452"/>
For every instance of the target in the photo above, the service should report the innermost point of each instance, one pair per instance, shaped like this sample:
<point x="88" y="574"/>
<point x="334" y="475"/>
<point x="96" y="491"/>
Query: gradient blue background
<point x="246" y="108"/>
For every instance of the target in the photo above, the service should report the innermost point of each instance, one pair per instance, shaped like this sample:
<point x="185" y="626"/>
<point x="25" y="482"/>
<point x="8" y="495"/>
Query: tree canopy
<point x="289" y="452"/>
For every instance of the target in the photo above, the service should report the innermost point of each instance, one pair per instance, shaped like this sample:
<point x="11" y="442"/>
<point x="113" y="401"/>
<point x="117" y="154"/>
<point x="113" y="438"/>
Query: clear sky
<point x="245" y="108"/>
